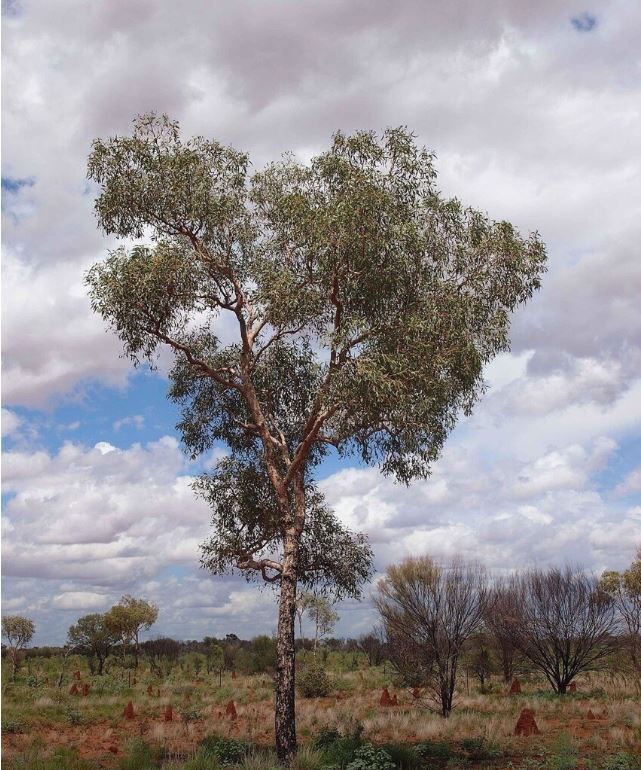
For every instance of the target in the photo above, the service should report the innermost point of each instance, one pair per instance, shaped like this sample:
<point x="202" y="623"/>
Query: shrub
<point x="565" y="753"/>
<point x="325" y="737"/>
<point x="313" y="682"/>
<point x="12" y="726"/>
<point x="621" y="761"/>
<point x="74" y="717"/>
<point x="403" y="756"/>
<point x="435" y="750"/>
<point x="479" y="749"/>
<point x="62" y="759"/>
<point x="140" y="756"/>
<point x="340" y="751"/>
<point x="191" y="714"/>
<point x="368" y="757"/>
<point x="227" y="751"/>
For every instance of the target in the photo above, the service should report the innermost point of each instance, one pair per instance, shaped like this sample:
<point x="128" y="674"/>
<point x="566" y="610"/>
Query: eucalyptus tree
<point x="361" y="306"/>
<point x="18" y="631"/>
<point x="92" y="634"/>
<point x="128" y="618"/>
<point x="625" y="590"/>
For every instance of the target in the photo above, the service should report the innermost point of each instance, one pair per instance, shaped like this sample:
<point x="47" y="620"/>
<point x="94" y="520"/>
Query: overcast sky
<point x="533" y="110"/>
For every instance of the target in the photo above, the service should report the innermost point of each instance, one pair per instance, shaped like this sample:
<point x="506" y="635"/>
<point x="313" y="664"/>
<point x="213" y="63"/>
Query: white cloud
<point x="531" y="121"/>
<point x="135" y="420"/>
<point x="10" y="422"/>
<point x="80" y="600"/>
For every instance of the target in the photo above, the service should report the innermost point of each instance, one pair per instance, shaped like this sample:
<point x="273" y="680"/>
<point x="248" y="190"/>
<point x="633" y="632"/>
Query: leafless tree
<point x="373" y="645"/>
<point x="561" y="622"/>
<point x="429" y="612"/>
<point x="500" y="608"/>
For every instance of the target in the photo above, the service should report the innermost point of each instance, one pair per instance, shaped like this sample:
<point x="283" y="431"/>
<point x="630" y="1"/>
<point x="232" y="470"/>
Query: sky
<point x="533" y="111"/>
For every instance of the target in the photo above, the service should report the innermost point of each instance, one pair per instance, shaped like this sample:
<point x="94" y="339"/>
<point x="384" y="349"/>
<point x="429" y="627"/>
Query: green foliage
<point x="325" y="737"/>
<point x="35" y="758"/>
<point x="227" y="751"/>
<point x="139" y="755"/>
<point x="368" y="757"/>
<point x="564" y="755"/>
<point x="403" y="756"/>
<point x="478" y="749"/>
<point x="435" y="750"/>
<point x="339" y="748"/>
<point x="313" y="682"/>
<point x="621" y="761"/>
<point x="365" y="306"/>
<point x="191" y="714"/>
<point x="12" y="726"/>
<point x="74" y="717"/>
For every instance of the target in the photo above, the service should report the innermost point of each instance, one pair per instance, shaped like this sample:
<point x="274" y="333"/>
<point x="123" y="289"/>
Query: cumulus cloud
<point x="533" y="110"/>
<point x="10" y="422"/>
<point x="520" y="108"/>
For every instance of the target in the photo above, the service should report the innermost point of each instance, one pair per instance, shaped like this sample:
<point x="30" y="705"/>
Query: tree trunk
<point x="285" y="717"/>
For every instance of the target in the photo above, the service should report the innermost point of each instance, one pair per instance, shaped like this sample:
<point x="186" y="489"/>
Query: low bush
<point x="227" y="751"/>
<point x="435" y="750"/>
<point x="313" y="682"/>
<point x="139" y="755"/>
<point x="368" y="757"/>
<point x="621" y="761"/>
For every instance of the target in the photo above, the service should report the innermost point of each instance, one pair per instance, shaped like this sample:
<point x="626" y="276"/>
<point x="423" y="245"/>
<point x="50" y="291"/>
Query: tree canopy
<point x="363" y="305"/>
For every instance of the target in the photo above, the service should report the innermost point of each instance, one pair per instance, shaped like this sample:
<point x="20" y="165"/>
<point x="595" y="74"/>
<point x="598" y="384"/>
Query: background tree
<point x="92" y="634"/>
<point x="373" y="645"/>
<point x="625" y="590"/>
<point x="365" y="307"/>
<point x="128" y="618"/>
<point x="481" y="659"/>
<point x="429" y="612"/>
<point x="215" y="657"/>
<point x="561" y="622"/>
<point x="320" y="612"/>
<point x="18" y="631"/>
<point x="501" y="607"/>
<point x="162" y="654"/>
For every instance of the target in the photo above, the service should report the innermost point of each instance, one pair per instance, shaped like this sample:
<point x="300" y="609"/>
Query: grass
<point x="479" y="733"/>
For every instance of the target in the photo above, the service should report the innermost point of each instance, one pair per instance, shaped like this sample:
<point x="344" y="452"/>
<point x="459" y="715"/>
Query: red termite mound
<point x="73" y="690"/>
<point x="128" y="713"/>
<point x="385" y="698"/>
<point x="526" y="724"/>
<point x="416" y="693"/>
<point x="394" y="700"/>
<point x="230" y="710"/>
<point x="150" y="690"/>
<point x="85" y="689"/>
<point x="591" y="714"/>
<point x="572" y="687"/>
<point x="233" y="674"/>
<point x="76" y="675"/>
<point x="169" y="713"/>
<point x="515" y="687"/>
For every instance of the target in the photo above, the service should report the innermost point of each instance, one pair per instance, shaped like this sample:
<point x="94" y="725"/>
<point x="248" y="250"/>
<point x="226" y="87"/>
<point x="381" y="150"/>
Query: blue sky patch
<point x="13" y="185"/>
<point x="584" y="22"/>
